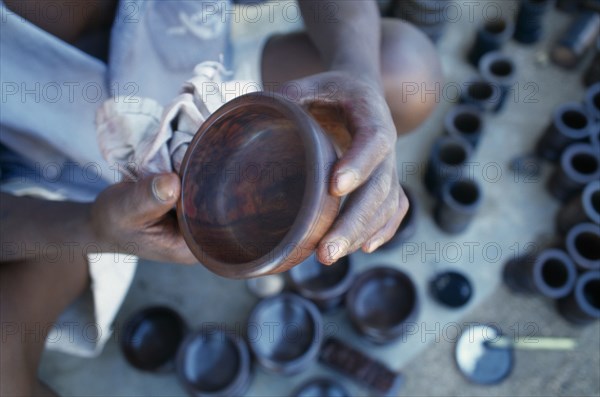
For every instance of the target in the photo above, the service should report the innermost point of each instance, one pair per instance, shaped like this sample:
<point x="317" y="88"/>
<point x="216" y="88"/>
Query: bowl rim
<point x="586" y="198"/>
<point x="581" y="261"/>
<point x="298" y="363"/>
<point x="538" y="277"/>
<point x="332" y="292"/>
<point x="442" y="142"/>
<point x="472" y="100"/>
<point x="464" y="109"/>
<point x="568" y="168"/>
<point x="584" y="305"/>
<point x="319" y="151"/>
<point x="449" y="200"/>
<point x="451" y="272"/>
<point x="135" y="320"/>
<point x="377" y="334"/>
<point x="563" y="128"/>
<point x="240" y="378"/>
<point x="320" y="380"/>
<point x="485" y="65"/>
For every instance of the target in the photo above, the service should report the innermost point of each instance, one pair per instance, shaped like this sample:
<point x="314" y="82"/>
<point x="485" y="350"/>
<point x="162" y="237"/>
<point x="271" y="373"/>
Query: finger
<point x="167" y="242"/>
<point x="373" y="141"/>
<point x="394" y="206"/>
<point x="148" y="200"/>
<point x="367" y="118"/>
<point x="358" y="220"/>
<point x="384" y="234"/>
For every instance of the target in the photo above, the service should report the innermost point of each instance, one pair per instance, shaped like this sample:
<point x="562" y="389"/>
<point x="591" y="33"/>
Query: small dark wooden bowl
<point x="482" y="94"/>
<point x="285" y="333"/>
<point x="579" y="165"/>
<point x="582" y="243"/>
<point x="151" y="337"/>
<point x="326" y="286"/>
<point x="214" y="363"/>
<point x="458" y="205"/>
<point x="381" y="302"/>
<point x="582" y="306"/>
<point x="585" y="207"/>
<point x="254" y="196"/>
<point x="465" y="121"/>
<point x="451" y="289"/>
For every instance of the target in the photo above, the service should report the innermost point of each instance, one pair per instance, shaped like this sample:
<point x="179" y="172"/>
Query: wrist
<point x="360" y="70"/>
<point x="93" y="231"/>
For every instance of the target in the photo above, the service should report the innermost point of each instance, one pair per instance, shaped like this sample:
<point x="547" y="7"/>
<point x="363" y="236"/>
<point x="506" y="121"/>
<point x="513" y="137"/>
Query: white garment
<point x="51" y="90"/>
<point x="143" y="138"/>
<point x="50" y="94"/>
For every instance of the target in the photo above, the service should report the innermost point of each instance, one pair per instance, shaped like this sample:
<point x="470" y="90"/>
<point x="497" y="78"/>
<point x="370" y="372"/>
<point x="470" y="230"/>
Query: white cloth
<point x="142" y="138"/>
<point x="50" y="96"/>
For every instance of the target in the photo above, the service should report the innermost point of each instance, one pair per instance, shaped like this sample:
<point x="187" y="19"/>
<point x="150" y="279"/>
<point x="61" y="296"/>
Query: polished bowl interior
<point x="381" y="300"/>
<point x="254" y="183"/>
<point x="213" y="363"/>
<point x="151" y="338"/>
<point x="284" y="332"/>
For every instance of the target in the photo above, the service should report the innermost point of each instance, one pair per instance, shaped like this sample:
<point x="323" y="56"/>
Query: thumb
<point x="152" y="197"/>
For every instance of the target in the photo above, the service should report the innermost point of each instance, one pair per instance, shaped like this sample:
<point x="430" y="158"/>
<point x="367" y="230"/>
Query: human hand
<point x="366" y="171"/>
<point x="137" y="218"/>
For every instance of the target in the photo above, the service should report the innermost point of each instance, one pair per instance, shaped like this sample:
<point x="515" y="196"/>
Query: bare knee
<point x="410" y="66"/>
<point x="32" y="295"/>
<point x="17" y="371"/>
<point x="20" y="345"/>
<point x="412" y="74"/>
<point x="22" y="382"/>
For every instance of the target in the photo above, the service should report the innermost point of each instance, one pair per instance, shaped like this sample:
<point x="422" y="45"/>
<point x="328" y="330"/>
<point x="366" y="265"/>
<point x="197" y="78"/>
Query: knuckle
<point x="361" y="220"/>
<point x="392" y="207"/>
<point x="397" y="220"/>
<point x="391" y="211"/>
<point x="381" y="186"/>
<point x="389" y="232"/>
<point x="355" y="247"/>
<point x="365" y="236"/>
<point x="402" y="204"/>
<point x="390" y="228"/>
<point x="381" y="142"/>
<point x="353" y="229"/>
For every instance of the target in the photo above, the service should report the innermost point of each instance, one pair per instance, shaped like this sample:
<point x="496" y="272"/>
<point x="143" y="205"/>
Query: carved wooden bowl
<point x="281" y="350"/>
<point x="325" y="286"/>
<point x="151" y="338"/>
<point x="255" y="178"/>
<point x="381" y="303"/>
<point x="214" y="363"/>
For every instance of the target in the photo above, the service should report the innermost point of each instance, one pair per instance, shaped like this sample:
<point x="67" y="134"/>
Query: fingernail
<point x="374" y="244"/>
<point x="336" y="250"/>
<point x="346" y="181"/>
<point x="162" y="187"/>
